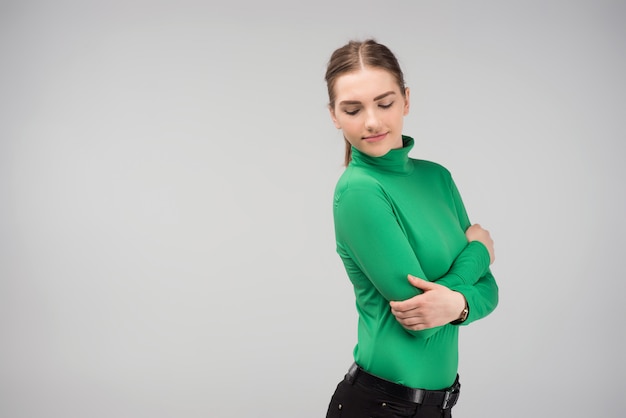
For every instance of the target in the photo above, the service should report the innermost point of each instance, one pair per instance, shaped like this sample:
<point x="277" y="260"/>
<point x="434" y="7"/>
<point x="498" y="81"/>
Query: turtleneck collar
<point x="395" y="161"/>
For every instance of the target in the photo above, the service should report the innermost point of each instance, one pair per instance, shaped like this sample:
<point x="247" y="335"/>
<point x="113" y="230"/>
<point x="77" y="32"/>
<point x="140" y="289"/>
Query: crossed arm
<point x="438" y="305"/>
<point x="369" y="234"/>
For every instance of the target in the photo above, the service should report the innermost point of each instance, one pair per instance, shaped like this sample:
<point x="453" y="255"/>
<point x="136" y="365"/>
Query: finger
<point x="421" y="283"/>
<point x="411" y="321"/>
<point x="406" y="314"/>
<point x="415" y="327"/>
<point x="404" y="305"/>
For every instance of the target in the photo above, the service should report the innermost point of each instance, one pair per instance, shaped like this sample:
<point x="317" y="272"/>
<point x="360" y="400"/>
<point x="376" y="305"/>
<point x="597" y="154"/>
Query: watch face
<point x="464" y="315"/>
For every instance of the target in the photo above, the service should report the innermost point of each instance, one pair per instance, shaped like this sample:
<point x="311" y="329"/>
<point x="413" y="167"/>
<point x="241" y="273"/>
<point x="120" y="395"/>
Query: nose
<point x="372" y="122"/>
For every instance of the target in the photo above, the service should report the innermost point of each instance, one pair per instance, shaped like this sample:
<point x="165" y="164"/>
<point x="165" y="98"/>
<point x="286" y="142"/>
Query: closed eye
<point x="385" y="106"/>
<point x="351" y="112"/>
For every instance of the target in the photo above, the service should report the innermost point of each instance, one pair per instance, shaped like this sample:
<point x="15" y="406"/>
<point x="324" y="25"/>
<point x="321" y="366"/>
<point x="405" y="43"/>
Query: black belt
<point x="444" y="399"/>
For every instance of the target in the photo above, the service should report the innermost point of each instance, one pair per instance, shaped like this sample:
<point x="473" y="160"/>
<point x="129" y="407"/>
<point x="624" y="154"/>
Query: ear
<point x="407" y="101"/>
<point x="334" y="117"/>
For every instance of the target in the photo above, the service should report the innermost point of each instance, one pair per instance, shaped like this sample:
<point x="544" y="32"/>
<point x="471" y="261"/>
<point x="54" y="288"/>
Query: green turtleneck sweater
<point x="395" y="216"/>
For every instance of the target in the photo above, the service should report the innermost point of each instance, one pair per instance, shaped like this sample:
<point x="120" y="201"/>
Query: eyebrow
<point x="355" y="102"/>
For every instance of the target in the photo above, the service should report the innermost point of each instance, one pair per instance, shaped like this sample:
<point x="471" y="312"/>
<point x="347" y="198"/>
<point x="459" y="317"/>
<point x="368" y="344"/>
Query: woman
<point x="418" y="268"/>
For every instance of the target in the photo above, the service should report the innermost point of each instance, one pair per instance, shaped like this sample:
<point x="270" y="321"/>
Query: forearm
<point x="482" y="297"/>
<point x="468" y="267"/>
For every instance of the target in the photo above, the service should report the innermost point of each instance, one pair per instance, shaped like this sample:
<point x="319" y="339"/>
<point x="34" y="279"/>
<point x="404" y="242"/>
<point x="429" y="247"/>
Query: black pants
<point x="356" y="401"/>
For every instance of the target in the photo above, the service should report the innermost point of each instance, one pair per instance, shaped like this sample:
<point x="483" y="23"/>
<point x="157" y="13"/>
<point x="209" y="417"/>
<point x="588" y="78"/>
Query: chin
<point x="376" y="151"/>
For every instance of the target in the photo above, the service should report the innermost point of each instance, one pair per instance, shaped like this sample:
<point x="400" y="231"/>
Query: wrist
<point x="464" y="312"/>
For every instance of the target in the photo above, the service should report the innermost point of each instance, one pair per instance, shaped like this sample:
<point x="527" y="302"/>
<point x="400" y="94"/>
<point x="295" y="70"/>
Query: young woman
<point x="418" y="268"/>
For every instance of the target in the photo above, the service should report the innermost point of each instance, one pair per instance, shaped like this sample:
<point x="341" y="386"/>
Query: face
<point x="370" y="109"/>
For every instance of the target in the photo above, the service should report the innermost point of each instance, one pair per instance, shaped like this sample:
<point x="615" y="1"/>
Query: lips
<point x="375" y="138"/>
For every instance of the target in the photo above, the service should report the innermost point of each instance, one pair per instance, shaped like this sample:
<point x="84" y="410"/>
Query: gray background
<point x="166" y="175"/>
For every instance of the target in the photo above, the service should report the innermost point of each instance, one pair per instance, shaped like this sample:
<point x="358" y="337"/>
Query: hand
<point x="437" y="306"/>
<point x="478" y="233"/>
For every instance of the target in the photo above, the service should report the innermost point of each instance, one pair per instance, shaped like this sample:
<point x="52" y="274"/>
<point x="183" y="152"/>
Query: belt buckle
<point x="451" y="395"/>
<point x="449" y="399"/>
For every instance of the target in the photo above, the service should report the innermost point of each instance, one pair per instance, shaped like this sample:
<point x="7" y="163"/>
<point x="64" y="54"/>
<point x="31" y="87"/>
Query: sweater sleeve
<point x="480" y="291"/>
<point x="472" y="263"/>
<point x="369" y="235"/>
<point x="367" y="231"/>
<point x="482" y="297"/>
